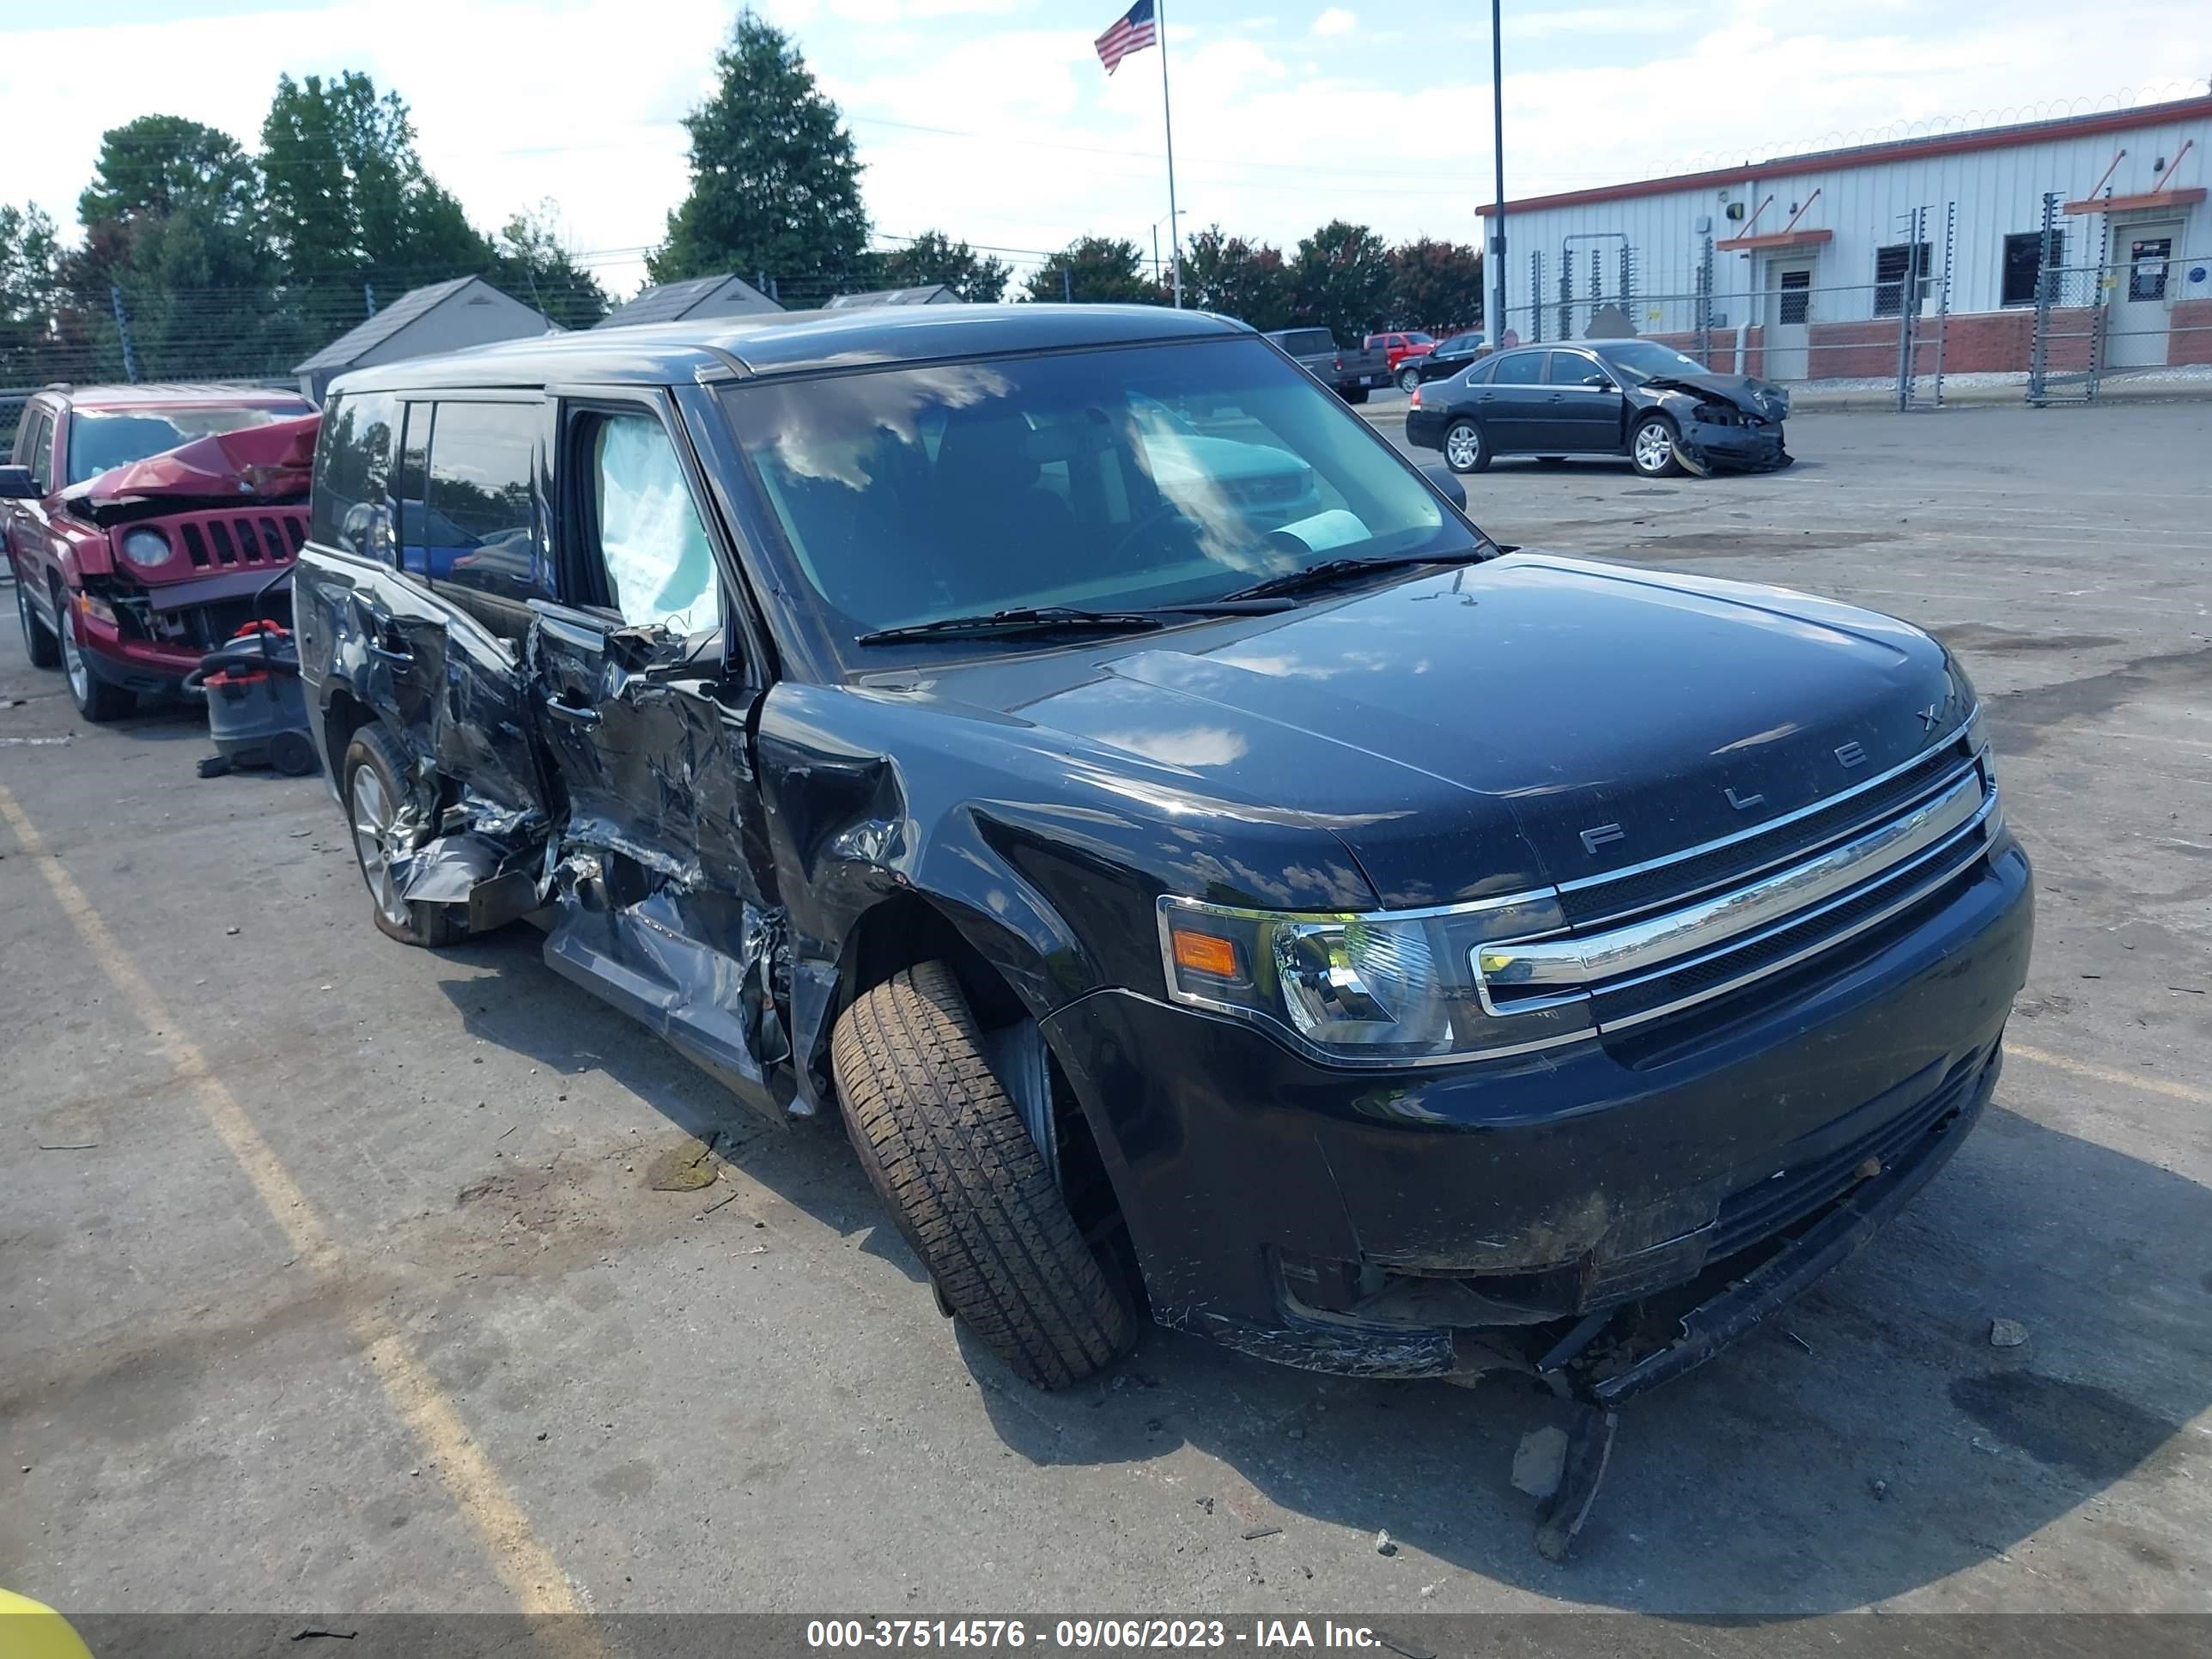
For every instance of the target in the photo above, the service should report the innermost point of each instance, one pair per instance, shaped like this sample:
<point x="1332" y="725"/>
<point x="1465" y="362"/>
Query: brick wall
<point x="1722" y="358"/>
<point x="2190" y="341"/>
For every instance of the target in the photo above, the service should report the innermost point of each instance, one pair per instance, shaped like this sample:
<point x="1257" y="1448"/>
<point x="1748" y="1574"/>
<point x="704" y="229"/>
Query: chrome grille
<point x="1722" y="941"/>
<point x="1665" y="881"/>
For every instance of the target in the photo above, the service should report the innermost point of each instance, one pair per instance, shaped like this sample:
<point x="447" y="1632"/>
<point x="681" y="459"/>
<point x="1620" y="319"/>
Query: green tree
<point x="173" y="219"/>
<point x="933" y="256"/>
<point x="1340" y="280"/>
<point x="1095" y="270"/>
<point x="532" y="263"/>
<point x="349" y="198"/>
<point x="1434" y="285"/>
<point x="164" y="165"/>
<point x="776" y="180"/>
<point x="1244" y="280"/>
<point x="30" y="291"/>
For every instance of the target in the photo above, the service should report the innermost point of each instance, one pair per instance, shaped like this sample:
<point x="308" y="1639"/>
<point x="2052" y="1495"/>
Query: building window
<point x="2023" y="263"/>
<point x="1797" y="298"/>
<point x="1890" y="268"/>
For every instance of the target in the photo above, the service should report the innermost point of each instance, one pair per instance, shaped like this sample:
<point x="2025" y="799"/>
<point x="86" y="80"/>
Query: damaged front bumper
<point x="1736" y="442"/>
<point x="1610" y="1215"/>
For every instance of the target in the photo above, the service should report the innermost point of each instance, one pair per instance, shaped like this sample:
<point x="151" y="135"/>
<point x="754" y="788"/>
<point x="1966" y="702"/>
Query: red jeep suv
<point x="127" y="573"/>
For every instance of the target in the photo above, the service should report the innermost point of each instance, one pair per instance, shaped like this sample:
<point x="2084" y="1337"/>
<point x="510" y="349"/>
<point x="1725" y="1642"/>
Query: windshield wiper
<point x="1072" y="619"/>
<point x="1331" y="570"/>
<point x="1026" y="619"/>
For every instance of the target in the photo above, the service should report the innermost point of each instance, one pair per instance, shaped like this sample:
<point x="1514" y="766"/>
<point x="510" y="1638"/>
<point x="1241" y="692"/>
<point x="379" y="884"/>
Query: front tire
<point x="1651" y="447"/>
<point x="95" y="699"/>
<point x="38" y="642"/>
<point x="1464" y="448"/>
<point x="369" y="785"/>
<point x="1408" y="378"/>
<point x="947" y="1152"/>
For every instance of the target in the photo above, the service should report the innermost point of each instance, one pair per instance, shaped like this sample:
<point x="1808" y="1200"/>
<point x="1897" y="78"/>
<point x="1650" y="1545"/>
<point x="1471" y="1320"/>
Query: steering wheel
<point x="1158" y="513"/>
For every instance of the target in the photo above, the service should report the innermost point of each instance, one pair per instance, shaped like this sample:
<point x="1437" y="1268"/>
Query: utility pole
<point x="1497" y="256"/>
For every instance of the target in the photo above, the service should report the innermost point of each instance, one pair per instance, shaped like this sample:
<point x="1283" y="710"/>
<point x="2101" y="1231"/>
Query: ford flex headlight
<point x="1391" y="988"/>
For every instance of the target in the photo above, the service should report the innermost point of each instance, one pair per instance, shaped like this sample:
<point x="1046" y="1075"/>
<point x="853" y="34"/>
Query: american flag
<point x="1133" y="31"/>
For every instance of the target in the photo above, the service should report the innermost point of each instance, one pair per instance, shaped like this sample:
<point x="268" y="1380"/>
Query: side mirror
<point x="17" y="484"/>
<point x="1600" y="379"/>
<point x="1447" y="483"/>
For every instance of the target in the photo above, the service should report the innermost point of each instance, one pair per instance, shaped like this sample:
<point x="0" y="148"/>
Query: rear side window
<point x="37" y="444"/>
<point x="1520" y="369"/>
<point x="1478" y="373"/>
<point x="481" y="529"/>
<point x="1572" y="369"/>
<point x="350" y="507"/>
<point x="660" y="571"/>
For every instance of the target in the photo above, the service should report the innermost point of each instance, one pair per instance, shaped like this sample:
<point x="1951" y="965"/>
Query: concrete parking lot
<point x="333" y="1275"/>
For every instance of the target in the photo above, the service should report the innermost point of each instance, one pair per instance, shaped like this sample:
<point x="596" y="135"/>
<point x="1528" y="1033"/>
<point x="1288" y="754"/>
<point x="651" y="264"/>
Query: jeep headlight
<point x="147" y="548"/>
<point x="1384" y="988"/>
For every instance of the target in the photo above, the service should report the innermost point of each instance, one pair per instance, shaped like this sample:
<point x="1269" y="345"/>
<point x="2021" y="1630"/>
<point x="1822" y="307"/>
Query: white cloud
<point x="1335" y="21"/>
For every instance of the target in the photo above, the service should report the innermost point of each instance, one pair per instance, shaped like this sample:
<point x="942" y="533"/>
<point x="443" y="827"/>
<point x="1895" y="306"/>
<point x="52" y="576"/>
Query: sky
<point x="993" y="120"/>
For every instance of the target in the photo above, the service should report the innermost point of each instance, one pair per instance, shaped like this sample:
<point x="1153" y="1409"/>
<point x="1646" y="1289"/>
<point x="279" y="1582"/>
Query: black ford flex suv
<point x="1212" y="881"/>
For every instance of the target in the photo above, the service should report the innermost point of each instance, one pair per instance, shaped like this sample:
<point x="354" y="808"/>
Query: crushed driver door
<point x="641" y="698"/>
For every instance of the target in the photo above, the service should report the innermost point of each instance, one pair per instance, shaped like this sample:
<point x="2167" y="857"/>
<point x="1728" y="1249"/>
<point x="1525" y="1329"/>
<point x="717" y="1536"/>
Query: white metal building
<point x="1810" y="254"/>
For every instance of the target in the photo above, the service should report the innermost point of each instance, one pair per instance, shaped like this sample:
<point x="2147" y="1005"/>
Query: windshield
<point x="1115" y="479"/>
<point x="1641" y="359"/>
<point x="99" y="439"/>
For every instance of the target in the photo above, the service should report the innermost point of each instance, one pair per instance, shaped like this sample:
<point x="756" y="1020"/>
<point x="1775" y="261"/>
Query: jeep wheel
<point x="1651" y="447"/>
<point x="38" y="640"/>
<point x="374" y="795"/>
<point x="95" y="699"/>
<point x="946" y="1151"/>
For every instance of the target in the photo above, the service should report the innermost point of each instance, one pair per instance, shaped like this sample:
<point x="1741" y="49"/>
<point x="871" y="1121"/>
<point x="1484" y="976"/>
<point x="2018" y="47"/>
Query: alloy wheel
<point x="371" y="813"/>
<point x="1654" y="447"/>
<point x="73" y="663"/>
<point x="1463" y="446"/>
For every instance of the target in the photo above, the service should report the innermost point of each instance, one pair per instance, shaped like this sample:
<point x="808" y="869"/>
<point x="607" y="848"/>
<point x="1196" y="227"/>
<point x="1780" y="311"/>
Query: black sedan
<point x="1451" y="356"/>
<point x="1666" y="412"/>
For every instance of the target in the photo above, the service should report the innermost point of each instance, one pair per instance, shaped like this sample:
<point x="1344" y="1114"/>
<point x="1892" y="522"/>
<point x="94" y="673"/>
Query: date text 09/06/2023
<point x="1088" y="1634"/>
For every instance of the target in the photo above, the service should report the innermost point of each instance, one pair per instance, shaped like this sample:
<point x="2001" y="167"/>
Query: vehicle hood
<point x="1525" y="721"/>
<point x="269" y="462"/>
<point x="1747" y="392"/>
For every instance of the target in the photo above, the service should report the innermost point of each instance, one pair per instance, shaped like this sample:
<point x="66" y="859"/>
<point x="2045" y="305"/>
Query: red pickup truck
<point x="1398" y="346"/>
<point x="126" y="574"/>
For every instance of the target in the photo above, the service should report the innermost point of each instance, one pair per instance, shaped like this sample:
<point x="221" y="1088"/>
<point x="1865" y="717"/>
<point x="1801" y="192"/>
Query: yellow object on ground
<point x="29" y="1630"/>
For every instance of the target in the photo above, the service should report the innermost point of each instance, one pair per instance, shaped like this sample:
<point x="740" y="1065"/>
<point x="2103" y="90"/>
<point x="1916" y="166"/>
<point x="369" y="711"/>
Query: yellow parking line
<point x="524" y="1565"/>
<point x="2155" y="1085"/>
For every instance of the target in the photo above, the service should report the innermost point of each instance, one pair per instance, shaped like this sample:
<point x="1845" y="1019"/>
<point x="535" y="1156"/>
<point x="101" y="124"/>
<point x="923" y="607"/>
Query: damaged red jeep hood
<point x="262" y="463"/>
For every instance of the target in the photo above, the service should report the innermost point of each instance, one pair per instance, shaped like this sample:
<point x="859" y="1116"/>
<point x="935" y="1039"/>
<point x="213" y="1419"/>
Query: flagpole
<point x="1167" y="112"/>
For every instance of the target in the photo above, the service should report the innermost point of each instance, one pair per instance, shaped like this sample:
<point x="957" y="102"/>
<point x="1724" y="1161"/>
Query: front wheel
<point x="947" y="1152"/>
<point x="95" y="699"/>
<point x="1464" y="450"/>
<point x="38" y="642"/>
<point x="1651" y="447"/>
<point x="1408" y="378"/>
<point x="369" y="779"/>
